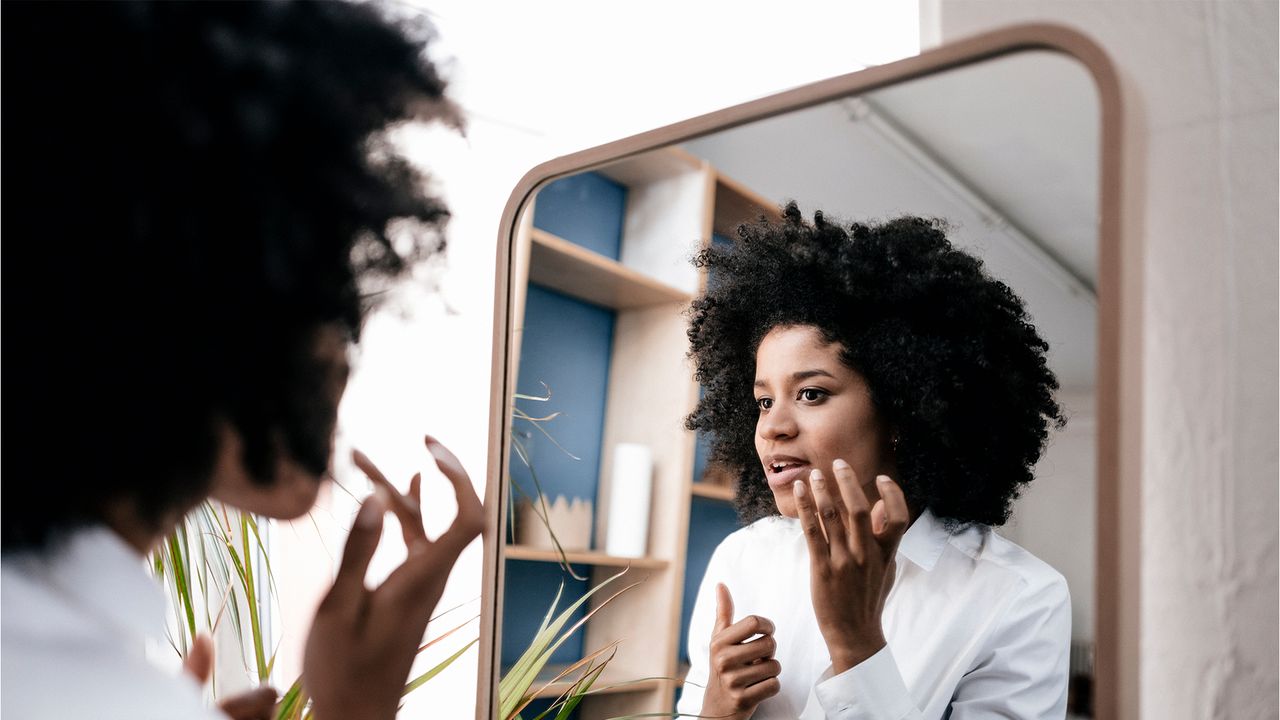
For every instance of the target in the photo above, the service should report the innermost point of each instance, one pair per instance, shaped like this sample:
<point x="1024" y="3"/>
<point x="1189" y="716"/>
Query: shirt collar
<point x="105" y="577"/>
<point x="924" y="541"/>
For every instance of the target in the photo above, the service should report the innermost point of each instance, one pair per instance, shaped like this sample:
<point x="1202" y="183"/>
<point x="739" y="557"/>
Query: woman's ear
<point x="289" y="494"/>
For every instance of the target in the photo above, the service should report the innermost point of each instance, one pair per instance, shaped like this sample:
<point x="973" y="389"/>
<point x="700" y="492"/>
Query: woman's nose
<point x="777" y="423"/>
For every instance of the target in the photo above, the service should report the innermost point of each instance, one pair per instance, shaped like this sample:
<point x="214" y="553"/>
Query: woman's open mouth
<point x="783" y="471"/>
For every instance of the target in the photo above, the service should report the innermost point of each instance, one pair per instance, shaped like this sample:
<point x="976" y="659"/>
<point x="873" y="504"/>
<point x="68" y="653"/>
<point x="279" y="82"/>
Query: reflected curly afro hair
<point x="955" y="368"/>
<point x="192" y="190"/>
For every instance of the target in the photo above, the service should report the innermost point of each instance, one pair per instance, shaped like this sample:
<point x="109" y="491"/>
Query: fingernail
<point x="799" y="486"/>
<point x="815" y="477"/>
<point x="883" y="479"/>
<point x="371" y="511"/>
<point x="430" y="440"/>
<point x="839" y="464"/>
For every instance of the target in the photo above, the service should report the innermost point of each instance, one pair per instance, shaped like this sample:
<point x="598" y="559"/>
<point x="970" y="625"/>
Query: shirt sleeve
<point x="1022" y="672"/>
<point x="701" y="623"/>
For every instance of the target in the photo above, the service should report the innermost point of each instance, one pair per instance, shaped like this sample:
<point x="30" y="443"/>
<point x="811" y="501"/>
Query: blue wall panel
<point x="565" y="345"/>
<point x="530" y="589"/>
<point x="701" y="449"/>
<point x="710" y="521"/>
<point x="537" y="707"/>
<point x="585" y="209"/>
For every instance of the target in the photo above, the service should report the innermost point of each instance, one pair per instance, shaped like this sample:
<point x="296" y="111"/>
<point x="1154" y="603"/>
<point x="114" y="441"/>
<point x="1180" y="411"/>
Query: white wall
<point x="1204" y="75"/>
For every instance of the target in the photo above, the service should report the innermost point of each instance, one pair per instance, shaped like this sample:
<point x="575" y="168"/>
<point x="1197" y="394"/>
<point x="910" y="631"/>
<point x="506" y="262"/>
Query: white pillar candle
<point x="630" y="494"/>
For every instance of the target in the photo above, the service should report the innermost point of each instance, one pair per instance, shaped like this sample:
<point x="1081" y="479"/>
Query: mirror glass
<point x="1006" y="151"/>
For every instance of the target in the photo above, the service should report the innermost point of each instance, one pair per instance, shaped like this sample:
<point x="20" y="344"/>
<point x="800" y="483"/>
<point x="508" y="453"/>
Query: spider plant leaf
<point x="424" y="677"/>
<point x="513" y="688"/>
<point x="538" y="425"/>
<point x="251" y="600"/>
<point x="262" y="552"/>
<point x="291" y="703"/>
<point x="574" y="688"/>
<point x="446" y="634"/>
<point x="568" y="707"/>
<point x="180" y="581"/>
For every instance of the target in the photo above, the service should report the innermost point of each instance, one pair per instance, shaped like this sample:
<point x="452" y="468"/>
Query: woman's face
<point x="813" y="410"/>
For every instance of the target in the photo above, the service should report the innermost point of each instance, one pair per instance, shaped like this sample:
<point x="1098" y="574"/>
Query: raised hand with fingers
<point x="852" y="547"/>
<point x="743" y="673"/>
<point x="363" y="641"/>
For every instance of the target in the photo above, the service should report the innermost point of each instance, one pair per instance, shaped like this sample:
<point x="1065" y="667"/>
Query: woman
<point x="197" y="203"/>
<point x="883" y="401"/>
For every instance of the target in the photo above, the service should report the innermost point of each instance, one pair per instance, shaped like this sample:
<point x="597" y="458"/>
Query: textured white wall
<point x="1205" y="75"/>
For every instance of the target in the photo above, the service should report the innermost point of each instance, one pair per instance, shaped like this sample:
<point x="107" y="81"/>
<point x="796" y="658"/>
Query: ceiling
<point x="1006" y="151"/>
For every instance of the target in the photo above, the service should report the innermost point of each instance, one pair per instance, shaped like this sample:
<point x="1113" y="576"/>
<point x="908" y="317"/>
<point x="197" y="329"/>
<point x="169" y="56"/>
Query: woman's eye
<point x="812" y="394"/>
<point x="764" y="403"/>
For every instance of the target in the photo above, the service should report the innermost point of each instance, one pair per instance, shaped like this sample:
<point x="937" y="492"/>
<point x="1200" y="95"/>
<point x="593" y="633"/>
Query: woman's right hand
<point x="743" y="673"/>
<point x="363" y="641"/>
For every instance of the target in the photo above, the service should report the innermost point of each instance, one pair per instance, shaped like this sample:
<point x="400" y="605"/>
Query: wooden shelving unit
<point x="674" y="203"/>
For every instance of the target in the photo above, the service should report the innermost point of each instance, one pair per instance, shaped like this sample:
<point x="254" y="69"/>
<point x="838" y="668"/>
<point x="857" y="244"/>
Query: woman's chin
<point x="289" y="496"/>
<point x="786" y="505"/>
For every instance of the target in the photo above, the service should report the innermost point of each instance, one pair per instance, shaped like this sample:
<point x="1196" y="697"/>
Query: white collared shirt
<point x="976" y="626"/>
<point x="74" y="624"/>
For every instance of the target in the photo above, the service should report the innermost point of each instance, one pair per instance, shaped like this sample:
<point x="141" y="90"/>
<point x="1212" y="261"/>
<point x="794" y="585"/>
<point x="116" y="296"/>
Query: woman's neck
<point x="123" y="518"/>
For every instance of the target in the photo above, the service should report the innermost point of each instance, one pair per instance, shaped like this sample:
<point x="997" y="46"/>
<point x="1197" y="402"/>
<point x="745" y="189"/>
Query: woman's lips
<point x="782" y="480"/>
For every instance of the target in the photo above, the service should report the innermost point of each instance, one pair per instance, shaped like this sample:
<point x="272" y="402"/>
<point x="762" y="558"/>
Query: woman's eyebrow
<point x="801" y="375"/>
<point x="806" y="374"/>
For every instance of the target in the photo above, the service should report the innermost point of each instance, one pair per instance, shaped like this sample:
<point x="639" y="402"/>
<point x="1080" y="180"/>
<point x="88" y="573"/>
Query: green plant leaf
<point x="424" y="677"/>
<point x="513" y="687"/>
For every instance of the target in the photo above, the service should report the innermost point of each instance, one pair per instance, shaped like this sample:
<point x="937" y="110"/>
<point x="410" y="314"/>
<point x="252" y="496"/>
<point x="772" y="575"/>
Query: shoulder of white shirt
<point x="926" y="540"/>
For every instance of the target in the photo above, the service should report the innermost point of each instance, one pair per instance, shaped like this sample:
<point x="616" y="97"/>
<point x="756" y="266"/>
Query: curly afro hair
<point x="192" y="191"/>
<point x="955" y="368"/>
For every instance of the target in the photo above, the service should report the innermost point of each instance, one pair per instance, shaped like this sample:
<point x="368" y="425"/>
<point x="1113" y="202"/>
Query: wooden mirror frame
<point x="1118" y="557"/>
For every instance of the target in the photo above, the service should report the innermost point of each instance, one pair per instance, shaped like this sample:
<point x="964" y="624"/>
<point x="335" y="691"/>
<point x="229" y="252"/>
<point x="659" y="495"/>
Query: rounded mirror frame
<point x="1119" y="332"/>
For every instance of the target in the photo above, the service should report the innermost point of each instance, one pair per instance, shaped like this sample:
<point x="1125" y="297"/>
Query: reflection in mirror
<point x="604" y="477"/>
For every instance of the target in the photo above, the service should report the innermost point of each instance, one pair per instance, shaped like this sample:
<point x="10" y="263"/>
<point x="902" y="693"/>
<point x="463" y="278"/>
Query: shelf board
<point x="736" y="204"/>
<point x="575" y="271"/>
<point x="713" y="492"/>
<point x="521" y="552"/>
<point x="606" y="684"/>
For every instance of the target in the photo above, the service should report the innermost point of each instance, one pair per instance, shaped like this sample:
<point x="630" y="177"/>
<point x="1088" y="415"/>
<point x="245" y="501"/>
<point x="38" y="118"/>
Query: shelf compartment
<point x="597" y="559"/>
<point x="712" y="491"/>
<point x="563" y="266"/>
<point x="736" y="204"/>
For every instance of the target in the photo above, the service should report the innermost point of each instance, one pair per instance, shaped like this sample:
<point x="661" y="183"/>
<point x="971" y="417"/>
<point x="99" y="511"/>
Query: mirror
<point x="1005" y="150"/>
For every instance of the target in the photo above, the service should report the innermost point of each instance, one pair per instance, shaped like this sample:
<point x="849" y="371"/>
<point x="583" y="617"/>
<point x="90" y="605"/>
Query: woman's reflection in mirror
<point x="882" y="400"/>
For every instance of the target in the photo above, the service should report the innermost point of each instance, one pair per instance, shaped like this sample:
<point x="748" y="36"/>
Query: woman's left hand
<point x="851" y="564"/>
